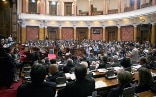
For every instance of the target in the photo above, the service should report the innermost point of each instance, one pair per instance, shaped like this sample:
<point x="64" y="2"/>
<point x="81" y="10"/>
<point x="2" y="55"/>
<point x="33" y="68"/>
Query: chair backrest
<point x="110" y="74"/>
<point x="129" y="92"/>
<point x="92" y="67"/>
<point x="128" y="69"/>
<point x="154" y="66"/>
<point x="108" y="66"/>
<point x="61" y="80"/>
<point x="89" y="75"/>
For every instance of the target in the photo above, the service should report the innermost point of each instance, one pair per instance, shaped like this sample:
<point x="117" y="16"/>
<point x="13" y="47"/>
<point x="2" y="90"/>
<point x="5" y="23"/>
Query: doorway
<point x="111" y="36"/>
<point x="68" y="8"/>
<point x="52" y="33"/>
<point x="82" y="34"/>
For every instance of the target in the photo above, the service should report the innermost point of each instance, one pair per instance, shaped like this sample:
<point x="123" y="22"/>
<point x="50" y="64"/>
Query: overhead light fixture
<point x="33" y="1"/>
<point x="53" y="2"/>
<point x="3" y="0"/>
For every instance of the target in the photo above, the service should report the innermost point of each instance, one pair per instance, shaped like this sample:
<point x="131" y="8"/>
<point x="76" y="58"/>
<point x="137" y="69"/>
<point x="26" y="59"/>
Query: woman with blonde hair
<point x="124" y="79"/>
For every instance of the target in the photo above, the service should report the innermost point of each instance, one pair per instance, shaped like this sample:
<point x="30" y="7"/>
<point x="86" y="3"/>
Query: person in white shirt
<point x="134" y="54"/>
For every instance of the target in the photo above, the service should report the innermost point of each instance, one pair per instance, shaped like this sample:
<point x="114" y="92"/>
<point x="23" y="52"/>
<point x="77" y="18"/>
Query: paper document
<point x="102" y="70"/>
<point x="100" y="84"/>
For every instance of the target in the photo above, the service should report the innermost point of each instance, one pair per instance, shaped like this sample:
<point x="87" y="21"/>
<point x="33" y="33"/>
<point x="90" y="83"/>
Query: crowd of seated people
<point x="115" y="54"/>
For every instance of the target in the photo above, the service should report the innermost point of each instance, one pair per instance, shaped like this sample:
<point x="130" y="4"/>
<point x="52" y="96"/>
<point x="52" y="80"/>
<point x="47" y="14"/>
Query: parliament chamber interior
<point x="77" y="48"/>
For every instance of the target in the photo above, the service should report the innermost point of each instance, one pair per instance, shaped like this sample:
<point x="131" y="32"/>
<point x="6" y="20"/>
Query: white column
<point x="47" y="6"/>
<point x="75" y="10"/>
<point x="89" y="7"/>
<point x="38" y="6"/>
<point x="135" y="33"/>
<point x="89" y="28"/>
<point x="119" y="33"/>
<point x="104" y="33"/>
<point x="119" y="6"/>
<point x="19" y="6"/>
<point x="104" y="7"/>
<point x="58" y="9"/>
<point x="27" y="5"/>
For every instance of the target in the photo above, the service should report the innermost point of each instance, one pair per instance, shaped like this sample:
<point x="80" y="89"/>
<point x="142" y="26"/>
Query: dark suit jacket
<point x="54" y="76"/>
<point x="47" y="89"/>
<point x="68" y="68"/>
<point x="142" y="88"/>
<point x="82" y="88"/>
<point x="102" y="65"/>
<point x="115" y="92"/>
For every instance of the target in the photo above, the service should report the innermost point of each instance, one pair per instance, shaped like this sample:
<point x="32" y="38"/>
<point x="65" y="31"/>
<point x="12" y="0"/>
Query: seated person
<point x="68" y="67"/>
<point x="37" y="88"/>
<point x="115" y="63"/>
<point x="54" y="73"/>
<point x="123" y="78"/>
<point x="145" y="80"/>
<point x="143" y="62"/>
<point x="81" y="87"/>
<point x="104" y="62"/>
<point x="125" y="62"/>
<point x="150" y="62"/>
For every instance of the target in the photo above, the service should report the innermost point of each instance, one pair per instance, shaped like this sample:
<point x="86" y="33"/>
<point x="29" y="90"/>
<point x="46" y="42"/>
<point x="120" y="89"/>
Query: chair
<point x="26" y="77"/>
<point x="129" y="92"/>
<point x="128" y="69"/>
<point x="51" y="51"/>
<point x="61" y="81"/>
<point x="92" y="68"/>
<point x="110" y="74"/>
<point x="26" y="73"/>
<point x="154" y="66"/>
<point x="108" y="66"/>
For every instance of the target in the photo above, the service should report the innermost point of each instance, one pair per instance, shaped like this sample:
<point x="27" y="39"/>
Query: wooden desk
<point x="148" y="93"/>
<point x="111" y="82"/>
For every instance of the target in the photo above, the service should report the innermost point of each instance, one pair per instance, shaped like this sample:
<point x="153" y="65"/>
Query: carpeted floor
<point x="4" y="92"/>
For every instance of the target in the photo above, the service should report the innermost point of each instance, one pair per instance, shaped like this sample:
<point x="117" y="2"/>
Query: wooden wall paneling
<point x="32" y="33"/>
<point x="67" y="33"/>
<point x="127" y="33"/>
<point x="97" y="35"/>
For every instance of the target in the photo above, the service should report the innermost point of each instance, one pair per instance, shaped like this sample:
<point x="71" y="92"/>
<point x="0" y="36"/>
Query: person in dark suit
<point x="54" y="73"/>
<point x="104" y="62"/>
<point x="69" y="66"/>
<point x="150" y="62"/>
<point x="37" y="88"/>
<point x="81" y="87"/>
<point x="7" y="68"/>
<point x="123" y="78"/>
<point x="35" y="55"/>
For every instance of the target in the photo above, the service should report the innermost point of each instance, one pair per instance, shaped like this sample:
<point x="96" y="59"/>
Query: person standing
<point x="134" y="54"/>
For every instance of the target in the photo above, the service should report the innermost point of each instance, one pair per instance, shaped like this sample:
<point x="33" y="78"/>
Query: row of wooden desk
<point x="104" y="84"/>
<point x="111" y="82"/>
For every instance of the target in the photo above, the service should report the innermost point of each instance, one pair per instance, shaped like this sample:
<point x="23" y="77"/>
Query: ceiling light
<point x="53" y="3"/>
